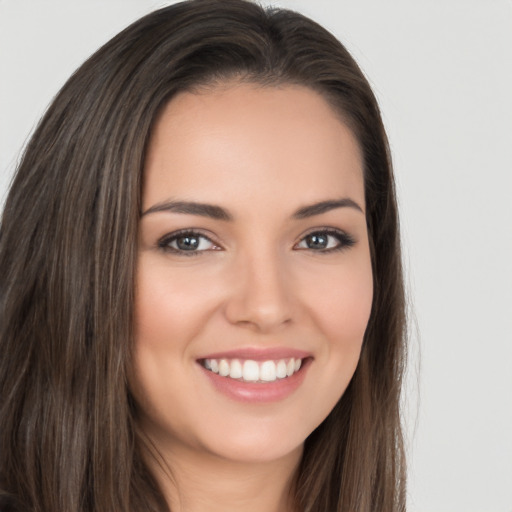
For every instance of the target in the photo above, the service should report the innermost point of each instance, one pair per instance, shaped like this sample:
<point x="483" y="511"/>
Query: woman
<point x="202" y="302"/>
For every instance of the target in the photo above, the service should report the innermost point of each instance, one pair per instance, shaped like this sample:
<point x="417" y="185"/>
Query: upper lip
<point x="259" y="354"/>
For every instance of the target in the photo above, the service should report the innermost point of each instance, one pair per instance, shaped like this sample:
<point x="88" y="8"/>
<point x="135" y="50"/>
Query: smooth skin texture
<point x="258" y="279"/>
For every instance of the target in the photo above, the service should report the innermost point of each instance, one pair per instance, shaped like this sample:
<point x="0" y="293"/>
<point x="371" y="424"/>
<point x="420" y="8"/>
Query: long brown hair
<point x="68" y="244"/>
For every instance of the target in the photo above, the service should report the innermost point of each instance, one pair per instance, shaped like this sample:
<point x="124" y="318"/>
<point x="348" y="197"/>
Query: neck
<point x="194" y="482"/>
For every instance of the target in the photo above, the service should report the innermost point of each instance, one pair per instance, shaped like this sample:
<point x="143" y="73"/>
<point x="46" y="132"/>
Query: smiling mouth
<point x="249" y="370"/>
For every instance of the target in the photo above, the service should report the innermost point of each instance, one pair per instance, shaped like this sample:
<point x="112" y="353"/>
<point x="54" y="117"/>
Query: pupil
<point x="317" y="241"/>
<point x="188" y="243"/>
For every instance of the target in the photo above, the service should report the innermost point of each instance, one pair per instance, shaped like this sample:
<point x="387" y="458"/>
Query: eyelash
<point x="345" y="241"/>
<point x="165" y="242"/>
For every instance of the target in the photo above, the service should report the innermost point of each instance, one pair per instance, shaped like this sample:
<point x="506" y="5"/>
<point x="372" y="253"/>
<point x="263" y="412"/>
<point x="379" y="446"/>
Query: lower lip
<point x="258" y="392"/>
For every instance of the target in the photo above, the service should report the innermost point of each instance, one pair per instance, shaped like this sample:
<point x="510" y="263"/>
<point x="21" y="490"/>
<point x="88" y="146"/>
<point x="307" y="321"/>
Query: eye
<point x="187" y="242"/>
<point x="326" y="240"/>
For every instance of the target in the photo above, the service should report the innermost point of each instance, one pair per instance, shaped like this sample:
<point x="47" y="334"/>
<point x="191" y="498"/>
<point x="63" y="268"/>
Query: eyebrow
<point x="219" y="213"/>
<point x="191" y="208"/>
<point x="325" y="206"/>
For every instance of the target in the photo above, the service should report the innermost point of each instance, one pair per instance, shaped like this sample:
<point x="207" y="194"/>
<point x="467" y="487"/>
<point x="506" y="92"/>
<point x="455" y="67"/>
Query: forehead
<point x="243" y="142"/>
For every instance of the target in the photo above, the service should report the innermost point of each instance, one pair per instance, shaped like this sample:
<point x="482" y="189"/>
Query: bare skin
<point x="277" y="266"/>
<point x="219" y="485"/>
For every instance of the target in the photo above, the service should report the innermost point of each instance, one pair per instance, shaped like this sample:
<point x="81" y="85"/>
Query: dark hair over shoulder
<point x="68" y="241"/>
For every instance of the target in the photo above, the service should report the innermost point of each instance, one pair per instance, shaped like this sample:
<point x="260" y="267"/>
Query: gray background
<point x="442" y="71"/>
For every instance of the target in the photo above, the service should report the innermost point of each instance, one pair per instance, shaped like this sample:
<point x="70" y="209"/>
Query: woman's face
<point x="253" y="259"/>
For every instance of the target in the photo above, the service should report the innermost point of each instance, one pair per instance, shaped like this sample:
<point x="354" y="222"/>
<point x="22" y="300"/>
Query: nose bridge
<point x="262" y="296"/>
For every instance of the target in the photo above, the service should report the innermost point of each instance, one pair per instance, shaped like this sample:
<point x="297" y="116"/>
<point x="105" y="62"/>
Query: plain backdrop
<point x="442" y="71"/>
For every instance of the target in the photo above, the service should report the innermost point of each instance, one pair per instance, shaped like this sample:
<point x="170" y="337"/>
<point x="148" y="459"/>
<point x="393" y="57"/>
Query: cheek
<point x="342" y="305"/>
<point x="169" y="310"/>
<point x="340" y="309"/>
<point x="168" y="306"/>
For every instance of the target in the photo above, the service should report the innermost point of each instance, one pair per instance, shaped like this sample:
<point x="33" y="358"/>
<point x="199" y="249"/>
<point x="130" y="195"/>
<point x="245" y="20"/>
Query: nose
<point x="261" y="296"/>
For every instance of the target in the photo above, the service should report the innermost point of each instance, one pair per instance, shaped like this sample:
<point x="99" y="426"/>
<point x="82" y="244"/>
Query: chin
<point x="254" y="451"/>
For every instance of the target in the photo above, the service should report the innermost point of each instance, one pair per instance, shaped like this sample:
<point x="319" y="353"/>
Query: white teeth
<point x="290" y="367"/>
<point x="236" y="369"/>
<point x="223" y="368"/>
<point x="268" y="371"/>
<point x="253" y="371"/>
<point x="281" y="369"/>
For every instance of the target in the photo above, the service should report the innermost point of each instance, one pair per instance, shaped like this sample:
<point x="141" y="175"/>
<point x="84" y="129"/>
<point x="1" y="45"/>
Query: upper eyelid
<point x="324" y="229"/>
<point x="165" y="239"/>
<point x="346" y="239"/>
<point x="187" y="231"/>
